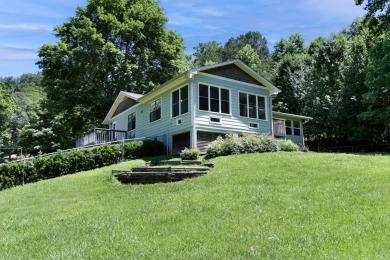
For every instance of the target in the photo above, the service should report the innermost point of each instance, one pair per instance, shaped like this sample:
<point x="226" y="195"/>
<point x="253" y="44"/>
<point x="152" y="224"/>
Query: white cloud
<point x="180" y="19"/>
<point x="27" y="26"/>
<point x="17" y="54"/>
<point x="211" y="12"/>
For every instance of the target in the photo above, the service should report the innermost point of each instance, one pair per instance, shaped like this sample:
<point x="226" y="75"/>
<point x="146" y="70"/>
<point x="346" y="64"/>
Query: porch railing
<point x="100" y="136"/>
<point x="279" y="127"/>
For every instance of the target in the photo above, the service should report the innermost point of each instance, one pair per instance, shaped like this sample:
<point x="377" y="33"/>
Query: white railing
<point x="100" y="136"/>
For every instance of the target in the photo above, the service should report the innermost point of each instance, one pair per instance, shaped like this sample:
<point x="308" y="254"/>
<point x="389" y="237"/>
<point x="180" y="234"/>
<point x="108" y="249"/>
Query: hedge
<point x="248" y="143"/>
<point x="60" y="164"/>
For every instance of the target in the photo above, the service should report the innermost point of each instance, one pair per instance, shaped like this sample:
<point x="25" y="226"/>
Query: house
<point x="197" y="106"/>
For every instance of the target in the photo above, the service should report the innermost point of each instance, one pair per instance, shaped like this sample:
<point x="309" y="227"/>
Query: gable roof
<point x="245" y="68"/>
<point x="184" y="77"/>
<point x="122" y="95"/>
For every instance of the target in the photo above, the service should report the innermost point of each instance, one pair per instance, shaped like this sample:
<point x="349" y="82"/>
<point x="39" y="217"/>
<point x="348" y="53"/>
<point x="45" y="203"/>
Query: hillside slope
<point x="275" y="205"/>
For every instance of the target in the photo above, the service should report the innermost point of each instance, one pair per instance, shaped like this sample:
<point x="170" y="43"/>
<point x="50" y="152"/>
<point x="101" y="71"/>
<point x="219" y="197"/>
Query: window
<point x="180" y="101"/>
<point x="155" y="110"/>
<point x="131" y="121"/>
<point x="253" y="125"/>
<point x="214" y="99"/>
<point x="252" y="106"/>
<point x="293" y="127"/>
<point x="297" y="127"/>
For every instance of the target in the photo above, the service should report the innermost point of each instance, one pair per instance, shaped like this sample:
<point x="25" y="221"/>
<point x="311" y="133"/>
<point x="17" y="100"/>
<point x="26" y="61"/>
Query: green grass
<point x="275" y="205"/>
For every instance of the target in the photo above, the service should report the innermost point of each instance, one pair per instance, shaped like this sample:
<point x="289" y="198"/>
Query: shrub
<point x="60" y="164"/>
<point x="248" y="143"/>
<point x="288" y="146"/>
<point x="189" y="154"/>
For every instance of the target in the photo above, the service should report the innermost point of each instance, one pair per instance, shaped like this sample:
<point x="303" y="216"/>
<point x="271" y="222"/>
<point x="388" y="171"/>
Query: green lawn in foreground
<point x="274" y="205"/>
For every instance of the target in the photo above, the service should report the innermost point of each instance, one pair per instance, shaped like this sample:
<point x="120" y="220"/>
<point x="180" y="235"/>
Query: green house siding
<point x="232" y="122"/>
<point x="164" y="127"/>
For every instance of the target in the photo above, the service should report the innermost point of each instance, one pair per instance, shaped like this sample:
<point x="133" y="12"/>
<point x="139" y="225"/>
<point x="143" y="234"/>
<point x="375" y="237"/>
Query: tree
<point x="207" y="53"/>
<point x="378" y="11"/>
<point x="377" y="97"/>
<point x="107" y="47"/>
<point x="291" y="73"/>
<point x="6" y="109"/>
<point x="323" y="99"/>
<point x="253" y="39"/>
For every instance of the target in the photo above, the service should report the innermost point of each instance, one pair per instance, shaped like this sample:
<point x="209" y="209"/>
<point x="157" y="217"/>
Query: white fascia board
<point x="291" y="116"/>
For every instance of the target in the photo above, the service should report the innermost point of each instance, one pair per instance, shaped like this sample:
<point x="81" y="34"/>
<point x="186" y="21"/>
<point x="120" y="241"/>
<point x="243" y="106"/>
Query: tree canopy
<point x="108" y="46"/>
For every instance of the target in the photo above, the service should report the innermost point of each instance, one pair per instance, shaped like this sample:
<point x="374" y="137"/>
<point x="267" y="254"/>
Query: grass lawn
<point x="275" y="205"/>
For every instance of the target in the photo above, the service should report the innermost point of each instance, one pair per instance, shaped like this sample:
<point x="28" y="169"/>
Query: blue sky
<point x="26" y="25"/>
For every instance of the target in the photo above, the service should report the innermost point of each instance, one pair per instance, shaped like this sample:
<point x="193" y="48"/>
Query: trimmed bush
<point x="288" y="146"/>
<point x="60" y="164"/>
<point x="189" y="154"/>
<point x="248" y="143"/>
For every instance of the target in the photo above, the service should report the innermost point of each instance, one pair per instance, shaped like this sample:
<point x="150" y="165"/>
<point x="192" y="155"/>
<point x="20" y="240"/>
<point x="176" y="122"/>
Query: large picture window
<point x="155" y="110"/>
<point x="131" y="121"/>
<point x="180" y="101"/>
<point x="214" y="99"/>
<point x="252" y="106"/>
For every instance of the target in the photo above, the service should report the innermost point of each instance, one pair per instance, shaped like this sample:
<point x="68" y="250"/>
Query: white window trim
<point x="219" y="87"/>
<point x="150" y="105"/>
<point x="257" y="105"/>
<point x="251" y="127"/>
<point x="171" y="99"/>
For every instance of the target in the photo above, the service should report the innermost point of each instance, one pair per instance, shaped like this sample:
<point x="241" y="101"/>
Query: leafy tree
<point x="294" y="45"/>
<point x="253" y="39"/>
<point x="207" y="53"/>
<point x="379" y="12"/>
<point x="107" y="47"/>
<point x="45" y="131"/>
<point x="323" y="98"/>
<point x="377" y="97"/>
<point x="6" y="108"/>
<point x="291" y="73"/>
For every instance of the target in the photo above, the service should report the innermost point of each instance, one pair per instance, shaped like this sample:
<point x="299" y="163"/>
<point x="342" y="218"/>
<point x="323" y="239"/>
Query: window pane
<point x="252" y="106"/>
<point x="297" y="131"/>
<point x="204" y="103"/>
<point x="175" y="103"/>
<point x="184" y="99"/>
<point x="214" y="99"/>
<point x="184" y="106"/>
<point x="203" y="91"/>
<point x="175" y="97"/>
<point x="243" y="105"/>
<point x="225" y="108"/>
<point x="155" y="110"/>
<point x="214" y="105"/>
<point x="224" y="94"/>
<point x="261" y="108"/>
<point x="296" y="124"/>
<point x="288" y="130"/>
<point x="184" y="92"/>
<point x="175" y="109"/>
